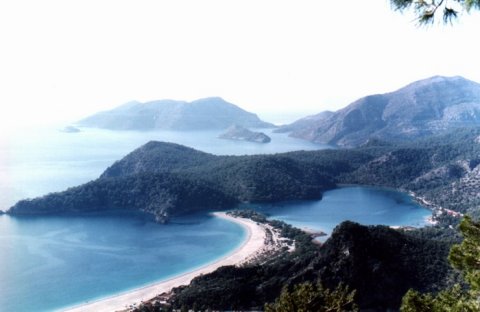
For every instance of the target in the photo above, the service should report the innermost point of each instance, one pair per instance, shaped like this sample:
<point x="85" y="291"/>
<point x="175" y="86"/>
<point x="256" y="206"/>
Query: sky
<point x="62" y="60"/>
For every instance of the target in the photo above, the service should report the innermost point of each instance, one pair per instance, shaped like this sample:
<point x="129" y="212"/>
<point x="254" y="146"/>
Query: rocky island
<point x="239" y="133"/>
<point x="70" y="129"/>
<point x="212" y="113"/>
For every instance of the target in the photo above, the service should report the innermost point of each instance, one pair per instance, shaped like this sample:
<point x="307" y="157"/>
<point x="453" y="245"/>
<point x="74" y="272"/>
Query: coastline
<point x="252" y="246"/>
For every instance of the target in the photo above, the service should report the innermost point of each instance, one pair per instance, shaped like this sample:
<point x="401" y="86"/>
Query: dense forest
<point x="379" y="263"/>
<point x="168" y="179"/>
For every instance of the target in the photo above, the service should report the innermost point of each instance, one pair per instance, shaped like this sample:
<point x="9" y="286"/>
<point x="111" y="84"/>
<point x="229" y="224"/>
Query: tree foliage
<point x="465" y="257"/>
<point x="308" y="297"/>
<point x="380" y="263"/>
<point x="427" y="11"/>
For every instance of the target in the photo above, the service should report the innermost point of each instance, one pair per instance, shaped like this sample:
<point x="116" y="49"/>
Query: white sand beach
<point x="254" y="244"/>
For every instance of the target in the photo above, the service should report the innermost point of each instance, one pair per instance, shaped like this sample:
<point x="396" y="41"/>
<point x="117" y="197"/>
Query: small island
<point x="239" y="133"/>
<point x="70" y="129"/>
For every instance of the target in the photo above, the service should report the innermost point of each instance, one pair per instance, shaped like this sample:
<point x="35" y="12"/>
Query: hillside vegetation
<point x="379" y="263"/>
<point x="167" y="179"/>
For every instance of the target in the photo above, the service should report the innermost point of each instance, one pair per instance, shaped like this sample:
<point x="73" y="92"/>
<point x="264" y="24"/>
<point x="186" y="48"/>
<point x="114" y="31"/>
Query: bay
<point x="48" y="263"/>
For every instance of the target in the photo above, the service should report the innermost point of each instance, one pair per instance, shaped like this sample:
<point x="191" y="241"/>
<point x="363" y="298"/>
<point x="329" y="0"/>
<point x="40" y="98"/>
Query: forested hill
<point x="166" y="179"/>
<point x="379" y="262"/>
<point x="155" y="157"/>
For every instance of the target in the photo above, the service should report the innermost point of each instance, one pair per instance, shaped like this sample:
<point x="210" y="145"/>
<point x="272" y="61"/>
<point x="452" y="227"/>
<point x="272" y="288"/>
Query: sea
<point x="52" y="262"/>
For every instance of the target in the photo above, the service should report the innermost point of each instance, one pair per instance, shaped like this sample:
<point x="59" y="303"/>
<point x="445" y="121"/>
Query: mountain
<point x="419" y="109"/>
<point x="204" y="114"/>
<point x="306" y="122"/>
<point x="239" y="133"/>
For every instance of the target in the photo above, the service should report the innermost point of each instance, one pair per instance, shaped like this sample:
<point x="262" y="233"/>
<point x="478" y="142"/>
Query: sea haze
<point x="49" y="263"/>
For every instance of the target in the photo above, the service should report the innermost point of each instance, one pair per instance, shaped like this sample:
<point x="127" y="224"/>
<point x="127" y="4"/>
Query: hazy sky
<point x="62" y="60"/>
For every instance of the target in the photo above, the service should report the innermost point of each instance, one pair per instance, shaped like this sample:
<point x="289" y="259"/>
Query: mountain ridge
<point x="419" y="109"/>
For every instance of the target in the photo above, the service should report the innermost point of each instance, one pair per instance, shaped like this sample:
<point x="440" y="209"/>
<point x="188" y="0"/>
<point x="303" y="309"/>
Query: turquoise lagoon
<point x="362" y="204"/>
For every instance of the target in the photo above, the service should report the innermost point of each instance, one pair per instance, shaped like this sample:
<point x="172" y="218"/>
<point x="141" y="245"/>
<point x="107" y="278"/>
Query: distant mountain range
<point x="204" y="114"/>
<point x="417" y="110"/>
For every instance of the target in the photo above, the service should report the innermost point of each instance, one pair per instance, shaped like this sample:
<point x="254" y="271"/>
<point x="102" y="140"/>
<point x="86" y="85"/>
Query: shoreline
<point x="254" y="244"/>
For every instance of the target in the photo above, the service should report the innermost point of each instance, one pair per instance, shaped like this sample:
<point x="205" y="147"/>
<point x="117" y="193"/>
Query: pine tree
<point x="464" y="257"/>
<point x="427" y="10"/>
<point x="308" y="297"/>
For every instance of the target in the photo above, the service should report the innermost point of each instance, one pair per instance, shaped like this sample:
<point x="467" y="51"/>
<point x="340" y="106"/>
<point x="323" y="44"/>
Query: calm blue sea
<point x="47" y="263"/>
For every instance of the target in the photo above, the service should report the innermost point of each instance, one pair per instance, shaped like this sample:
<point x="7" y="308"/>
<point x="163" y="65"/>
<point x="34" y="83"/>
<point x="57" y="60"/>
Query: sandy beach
<point x="253" y="245"/>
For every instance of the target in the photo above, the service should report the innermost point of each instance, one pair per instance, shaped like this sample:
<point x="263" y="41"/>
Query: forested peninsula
<point x="166" y="179"/>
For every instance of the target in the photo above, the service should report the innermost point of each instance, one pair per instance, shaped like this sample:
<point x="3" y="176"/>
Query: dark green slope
<point x="159" y="194"/>
<point x="445" y="170"/>
<point x="380" y="263"/>
<point x="155" y="157"/>
<point x="168" y="179"/>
